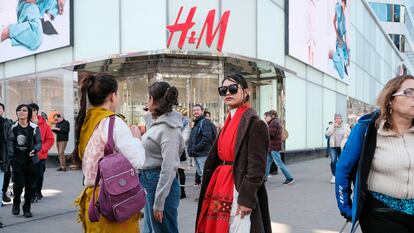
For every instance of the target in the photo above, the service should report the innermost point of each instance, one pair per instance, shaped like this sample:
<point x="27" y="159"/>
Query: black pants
<point x="23" y="177"/>
<point x="40" y="168"/>
<point x="6" y="182"/>
<point x="378" y="218"/>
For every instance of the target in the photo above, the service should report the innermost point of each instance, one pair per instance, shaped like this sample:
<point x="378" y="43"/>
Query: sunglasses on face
<point x="233" y="88"/>
<point x="409" y="92"/>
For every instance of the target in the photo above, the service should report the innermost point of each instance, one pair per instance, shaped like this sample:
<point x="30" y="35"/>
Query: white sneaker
<point x="333" y="180"/>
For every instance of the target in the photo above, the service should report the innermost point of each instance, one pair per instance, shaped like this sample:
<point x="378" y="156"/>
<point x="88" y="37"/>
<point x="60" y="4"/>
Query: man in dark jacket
<point x="62" y="137"/>
<point x="6" y="151"/>
<point x="275" y="145"/>
<point x="201" y="139"/>
<point x="27" y="143"/>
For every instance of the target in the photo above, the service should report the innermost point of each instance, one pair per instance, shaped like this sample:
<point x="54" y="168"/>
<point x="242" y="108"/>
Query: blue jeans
<point x="149" y="179"/>
<point x="275" y="156"/>
<point x="334" y="153"/>
<point x="199" y="162"/>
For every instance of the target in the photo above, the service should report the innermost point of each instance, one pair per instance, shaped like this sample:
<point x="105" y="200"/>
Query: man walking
<point x="275" y="145"/>
<point x="6" y="150"/>
<point x="27" y="143"/>
<point x="62" y="137"/>
<point x="47" y="142"/>
<point x="201" y="139"/>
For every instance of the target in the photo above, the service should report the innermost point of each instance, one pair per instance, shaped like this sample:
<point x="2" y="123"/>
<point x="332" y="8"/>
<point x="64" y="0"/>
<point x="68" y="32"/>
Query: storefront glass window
<point x="18" y="91"/>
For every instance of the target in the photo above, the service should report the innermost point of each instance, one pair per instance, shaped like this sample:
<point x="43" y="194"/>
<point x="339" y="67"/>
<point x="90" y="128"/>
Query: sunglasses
<point x="233" y="89"/>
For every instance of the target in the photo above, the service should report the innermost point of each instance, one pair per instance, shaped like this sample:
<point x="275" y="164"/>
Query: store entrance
<point x="196" y="78"/>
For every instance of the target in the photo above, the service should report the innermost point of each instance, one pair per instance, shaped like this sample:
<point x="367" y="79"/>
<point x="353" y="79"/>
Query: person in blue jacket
<point x="27" y="31"/>
<point x="378" y="159"/>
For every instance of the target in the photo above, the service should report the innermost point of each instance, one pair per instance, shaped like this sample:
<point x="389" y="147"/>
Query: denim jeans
<point x="275" y="156"/>
<point x="149" y="179"/>
<point x="199" y="162"/>
<point x="334" y="153"/>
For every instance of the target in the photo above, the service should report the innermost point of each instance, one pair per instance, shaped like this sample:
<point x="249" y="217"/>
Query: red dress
<point x="217" y="203"/>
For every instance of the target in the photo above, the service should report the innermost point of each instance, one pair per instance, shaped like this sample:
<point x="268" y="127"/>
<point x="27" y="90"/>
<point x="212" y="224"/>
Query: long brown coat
<point x="248" y="170"/>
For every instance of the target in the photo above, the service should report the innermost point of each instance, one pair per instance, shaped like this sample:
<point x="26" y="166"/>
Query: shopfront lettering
<point x="207" y="28"/>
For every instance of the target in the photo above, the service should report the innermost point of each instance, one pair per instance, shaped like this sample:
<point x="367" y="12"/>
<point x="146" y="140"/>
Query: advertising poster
<point x="33" y="26"/>
<point x="319" y="35"/>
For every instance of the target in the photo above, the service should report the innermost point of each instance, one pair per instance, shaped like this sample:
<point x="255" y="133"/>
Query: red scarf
<point x="218" y="200"/>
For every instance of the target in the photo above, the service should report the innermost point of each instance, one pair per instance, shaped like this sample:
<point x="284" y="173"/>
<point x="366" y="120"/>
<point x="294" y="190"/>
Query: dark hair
<point x="95" y="87"/>
<point x="271" y="113"/>
<point x="238" y="78"/>
<point x="207" y="112"/>
<point x="2" y="105"/>
<point x="331" y="122"/>
<point x="29" y="111"/>
<point x="165" y="95"/>
<point x="57" y="115"/>
<point x="198" y="105"/>
<point x="34" y="106"/>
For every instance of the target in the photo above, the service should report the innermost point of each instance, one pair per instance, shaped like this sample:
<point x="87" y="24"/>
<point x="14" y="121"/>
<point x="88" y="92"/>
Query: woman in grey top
<point x="163" y="145"/>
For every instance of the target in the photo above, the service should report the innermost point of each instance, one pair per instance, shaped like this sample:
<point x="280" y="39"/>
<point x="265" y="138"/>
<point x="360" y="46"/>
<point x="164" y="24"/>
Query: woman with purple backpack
<point x="92" y="127"/>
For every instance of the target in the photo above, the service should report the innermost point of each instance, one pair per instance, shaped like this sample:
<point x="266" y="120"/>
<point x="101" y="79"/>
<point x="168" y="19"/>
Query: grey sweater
<point x="163" y="143"/>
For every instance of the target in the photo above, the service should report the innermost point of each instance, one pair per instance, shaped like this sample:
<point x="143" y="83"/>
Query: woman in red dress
<point x="233" y="196"/>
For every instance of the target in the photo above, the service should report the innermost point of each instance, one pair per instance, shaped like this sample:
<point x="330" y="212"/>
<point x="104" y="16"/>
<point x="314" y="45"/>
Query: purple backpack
<point x="121" y="195"/>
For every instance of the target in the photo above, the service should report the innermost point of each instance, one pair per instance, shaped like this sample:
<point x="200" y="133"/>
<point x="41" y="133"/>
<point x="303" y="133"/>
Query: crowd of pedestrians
<point x="24" y="148"/>
<point x="373" y="161"/>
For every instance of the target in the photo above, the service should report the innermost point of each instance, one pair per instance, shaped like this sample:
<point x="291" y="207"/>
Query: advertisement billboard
<point x="319" y="35"/>
<point x="33" y="26"/>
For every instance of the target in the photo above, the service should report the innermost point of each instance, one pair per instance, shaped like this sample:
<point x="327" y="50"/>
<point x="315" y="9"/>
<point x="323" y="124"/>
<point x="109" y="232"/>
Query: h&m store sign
<point x="183" y="28"/>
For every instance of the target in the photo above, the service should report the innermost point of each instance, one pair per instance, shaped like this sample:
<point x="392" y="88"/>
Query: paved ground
<point x="307" y="206"/>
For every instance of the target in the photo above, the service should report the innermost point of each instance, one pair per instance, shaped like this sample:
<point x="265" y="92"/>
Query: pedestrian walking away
<point x="275" y="146"/>
<point x="101" y="91"/>
<point x="235" y="168"/>
<point x="377" y="157"/>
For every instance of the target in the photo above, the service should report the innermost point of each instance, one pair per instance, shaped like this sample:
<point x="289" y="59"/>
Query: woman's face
<point x="404" y="105"/>
<point x="151" y="104"/>
<point x="23" y="113"/>
<point x="114" y="100"/>
<point x="234" y="100"/>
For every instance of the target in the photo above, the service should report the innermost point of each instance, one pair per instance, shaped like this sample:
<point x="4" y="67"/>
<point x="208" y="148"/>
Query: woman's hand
<point x="243" y="211"/>
<point x="158" y="215"/>
<point x="136" y="133"/>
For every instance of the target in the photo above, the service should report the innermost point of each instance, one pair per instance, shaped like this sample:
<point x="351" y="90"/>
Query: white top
<point x="124" y="142"/>
<point x="392" y="170"/>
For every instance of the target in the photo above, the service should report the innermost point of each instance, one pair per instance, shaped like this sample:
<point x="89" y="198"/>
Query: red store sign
<point x="184" y="28"/>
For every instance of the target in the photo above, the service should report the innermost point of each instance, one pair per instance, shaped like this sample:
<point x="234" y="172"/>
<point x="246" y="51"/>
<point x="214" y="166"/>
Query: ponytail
<point x="94" y="88"/>
<point x="165" y="95"/>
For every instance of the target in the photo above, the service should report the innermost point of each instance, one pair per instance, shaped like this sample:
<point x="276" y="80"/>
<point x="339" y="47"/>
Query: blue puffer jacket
<point x="354" y="165"/>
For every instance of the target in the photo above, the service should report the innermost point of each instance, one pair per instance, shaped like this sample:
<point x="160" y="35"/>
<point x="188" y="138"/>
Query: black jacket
<point x="7" y="148"/>
<point x="201" y="138"/>
<point x="63" y="134"/>
<point x="35" y="143"/>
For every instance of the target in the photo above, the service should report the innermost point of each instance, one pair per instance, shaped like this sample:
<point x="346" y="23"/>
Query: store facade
<point x="192" y="45"/>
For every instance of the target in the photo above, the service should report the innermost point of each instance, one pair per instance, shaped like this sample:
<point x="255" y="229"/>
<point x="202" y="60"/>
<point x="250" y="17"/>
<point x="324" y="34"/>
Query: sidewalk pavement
<point x="307" y="206"/>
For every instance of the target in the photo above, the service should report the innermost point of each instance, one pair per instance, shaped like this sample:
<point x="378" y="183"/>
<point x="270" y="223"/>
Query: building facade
<point x="138" y="42"/>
